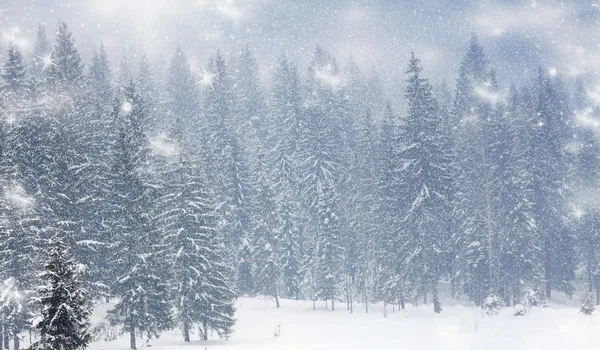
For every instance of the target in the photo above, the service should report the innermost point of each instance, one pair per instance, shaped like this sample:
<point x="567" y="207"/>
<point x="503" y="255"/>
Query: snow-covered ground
<point x="458" y="327"/>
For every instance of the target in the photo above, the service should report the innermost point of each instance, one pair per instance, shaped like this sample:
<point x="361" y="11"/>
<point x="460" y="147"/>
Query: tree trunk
<point x="132" y="344"/>
<point x="366" y="299"/>
<point x="17" y="343"/>
<point x="186" y="332"/>
<point x="6" y="339"/>
<point x="547" y="274"/>
<point x="274" y="287"/>
<point x="332" y="305"/>
<point x="351" y="304"/>
<point x="437" y="306"/>
<point x="347" y="293"/>
<point x="205" y="331"/>
<point x="402" y="306"/>
<point x="384" y="309"/>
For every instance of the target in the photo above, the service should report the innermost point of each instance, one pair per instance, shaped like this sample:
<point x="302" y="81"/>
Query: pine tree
<point x="474" y="121"/>
<point x="19" y="239"/>
<point x="187" y="221"/>
<point x="66" y="70"/>
<point x="42" y="51"/>
<point x="265" y="235"/>
<point x="549" y="178"/>
<point x="140" y="283"/>
<point x="283" y="143"/>
<point x="365" y="205"/>
<point x="588" y="306"/>
<point x="321" y="161"/>
<point x="64" y="323"/>
<point x="390" y="274"/>
<point x="426" y="183"/>
<point x="250" y="103"/>
<point x="183" y="102"/>
<point x="14" y="71"/>
<point x="518" y="242"/>
<point x="101" y="77"/>
<point x="227" y="166"/>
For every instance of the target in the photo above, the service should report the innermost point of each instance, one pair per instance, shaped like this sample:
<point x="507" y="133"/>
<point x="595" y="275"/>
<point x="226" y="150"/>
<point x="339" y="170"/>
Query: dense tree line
<point x="178" y="194"/>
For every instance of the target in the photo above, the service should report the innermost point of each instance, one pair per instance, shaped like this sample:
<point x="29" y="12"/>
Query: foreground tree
<point x="64" y="323"/>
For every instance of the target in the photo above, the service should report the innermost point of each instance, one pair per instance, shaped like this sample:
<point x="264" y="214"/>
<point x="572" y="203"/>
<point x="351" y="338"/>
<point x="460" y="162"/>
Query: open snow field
<point x="458" y="327"/>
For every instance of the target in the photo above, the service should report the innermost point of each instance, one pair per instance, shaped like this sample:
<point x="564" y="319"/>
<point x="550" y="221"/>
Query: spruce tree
<point x="14" y="71"/>
<point x="426" y="183"/>
<point x="518" y="240"/>
<point x="140" y="283"/>
<point x="390" y="274"/>
<point x="186" y="219"/>
<point x="66" y="70"/>
<point x="283" y="159"/>
<point x="265" y="235"/>
<point x="64" y="323"/>
<point x="549" y="178"/>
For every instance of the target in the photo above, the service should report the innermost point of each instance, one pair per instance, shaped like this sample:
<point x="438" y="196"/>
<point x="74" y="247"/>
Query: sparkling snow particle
<point x="127" y="107"/>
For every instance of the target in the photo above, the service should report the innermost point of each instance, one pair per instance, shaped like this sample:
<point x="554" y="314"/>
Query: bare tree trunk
<point x="6" y="339"/>
<point x="186" y="332"/>
<point x="366" y="299"/>
<point x="205" y="334"/>
<point x="384" y="309"/>
<point x="332" y="305"/>
<point x="274" y="287"/>
<point x="347" y="293"/>
<point x="351" y="304"/>
<point x="437" y="306"/>
<point x="17" y="343"/>
<point x="132" y="344"/>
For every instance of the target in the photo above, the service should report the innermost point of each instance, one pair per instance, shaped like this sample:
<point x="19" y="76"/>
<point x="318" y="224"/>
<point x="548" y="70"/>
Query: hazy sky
<point x="518" y="35"/>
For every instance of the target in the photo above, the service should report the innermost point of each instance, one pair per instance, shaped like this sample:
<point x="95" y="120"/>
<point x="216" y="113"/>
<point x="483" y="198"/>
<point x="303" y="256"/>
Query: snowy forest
<point x="170" y="188"/>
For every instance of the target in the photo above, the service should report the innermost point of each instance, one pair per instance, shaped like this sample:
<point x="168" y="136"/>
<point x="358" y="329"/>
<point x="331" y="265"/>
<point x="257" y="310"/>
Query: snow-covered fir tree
<point x="140" y="282"/>
<point x="426" y="183"/>
<point x="64" y="322"/>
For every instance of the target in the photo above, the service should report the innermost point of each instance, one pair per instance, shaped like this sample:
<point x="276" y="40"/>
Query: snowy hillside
<point x="458" y="327"/>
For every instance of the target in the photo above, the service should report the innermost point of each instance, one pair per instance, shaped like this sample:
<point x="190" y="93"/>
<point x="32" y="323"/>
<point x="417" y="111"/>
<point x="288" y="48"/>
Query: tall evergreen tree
<point x="186" y="220"/>
<point x="142" y="291"/>
<point x="283" y="142"/>
<point x="548" y="169"/>
<point x="426" y="185"/>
